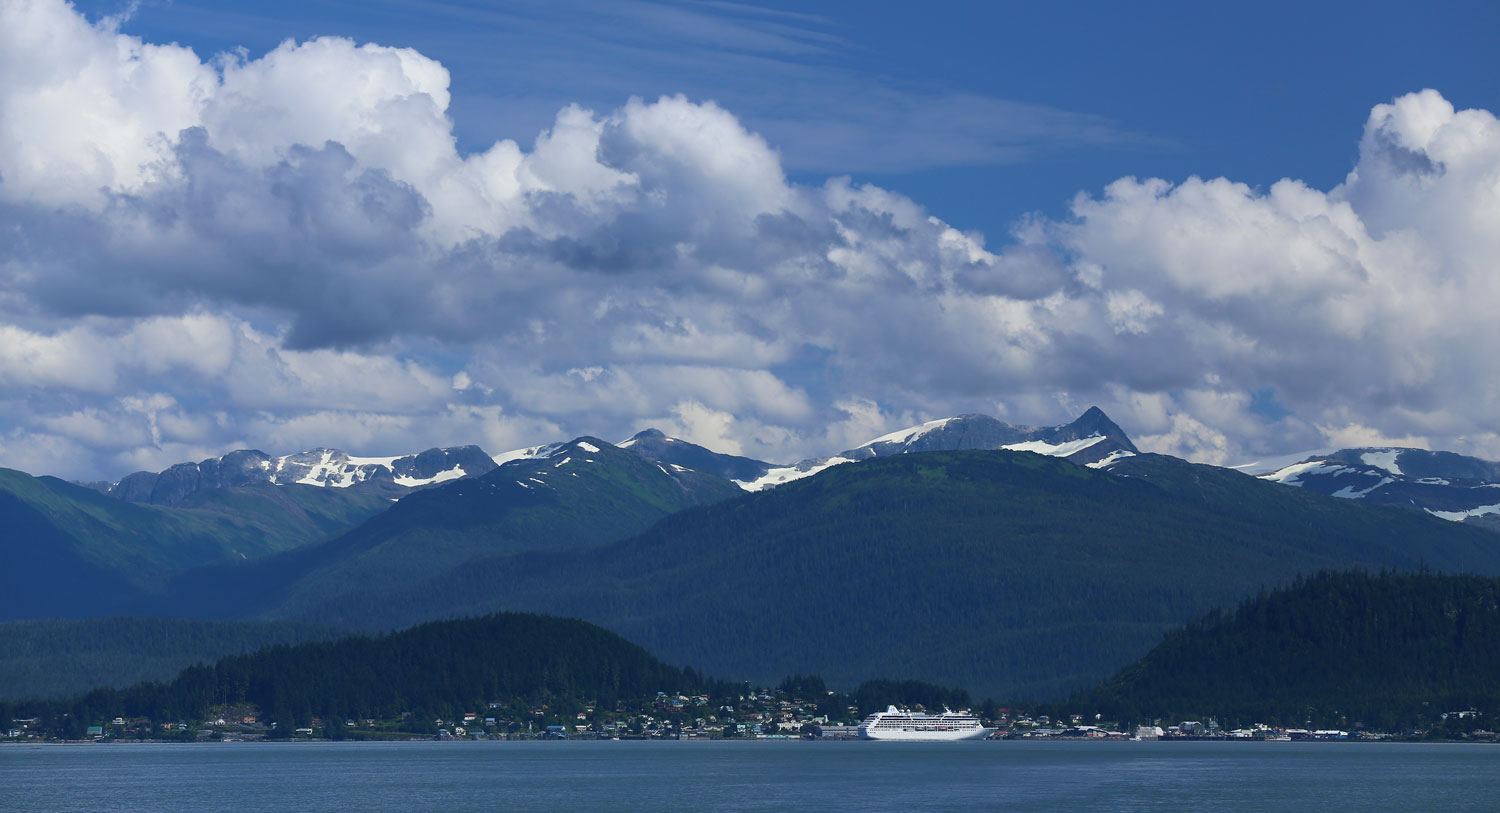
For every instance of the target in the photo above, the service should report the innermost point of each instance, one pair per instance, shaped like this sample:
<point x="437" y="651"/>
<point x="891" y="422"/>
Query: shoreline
<point x="1035" y="740"/>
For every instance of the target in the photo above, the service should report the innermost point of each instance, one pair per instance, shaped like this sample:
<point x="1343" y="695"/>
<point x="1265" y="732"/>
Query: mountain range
<point x="584" y="492"/>
<point x="331" y="468"/>
<point x="1444" y="484"/>
<point x="1093" y="440"/>
<point x="1009" y="573"/>
<point x="965" y="551"/>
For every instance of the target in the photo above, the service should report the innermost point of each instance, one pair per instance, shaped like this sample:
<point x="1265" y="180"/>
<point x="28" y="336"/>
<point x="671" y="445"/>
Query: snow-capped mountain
<point x="705" y="479"/>
<point x="1092" y="440"/>
<point x="1445" y="484"/>
<point x="318" y="467"/>
<point x="653" y="445"/>
<point x="541" y="452"/>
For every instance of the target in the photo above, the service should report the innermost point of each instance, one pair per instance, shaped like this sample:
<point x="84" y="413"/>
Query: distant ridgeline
<point x="62" y="658"/>
<point x="443" y="668"/>
<point x="388" y="476"/>
<point x="1391" y="651"/>
<point x="1452" y="486"/>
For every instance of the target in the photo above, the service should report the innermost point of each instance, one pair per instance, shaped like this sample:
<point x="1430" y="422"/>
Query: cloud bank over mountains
<point x="289" y="250"/>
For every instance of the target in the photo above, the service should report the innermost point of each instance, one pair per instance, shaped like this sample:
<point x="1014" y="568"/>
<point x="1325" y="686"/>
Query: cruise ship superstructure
<point x="896" y="724"/>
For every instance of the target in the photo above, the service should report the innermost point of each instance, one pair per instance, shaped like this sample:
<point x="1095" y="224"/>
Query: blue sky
<point x="778" y="230"/>
<point x="1252" y="91"/>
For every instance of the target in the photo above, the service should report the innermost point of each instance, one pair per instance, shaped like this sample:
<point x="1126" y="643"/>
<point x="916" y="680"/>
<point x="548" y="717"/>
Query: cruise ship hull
<point x="923" y="736"/>
<point x="902" y="725"/>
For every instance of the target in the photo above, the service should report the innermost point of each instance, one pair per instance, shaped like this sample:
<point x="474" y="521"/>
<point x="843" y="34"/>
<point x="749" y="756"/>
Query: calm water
<point x="748" y="776"/>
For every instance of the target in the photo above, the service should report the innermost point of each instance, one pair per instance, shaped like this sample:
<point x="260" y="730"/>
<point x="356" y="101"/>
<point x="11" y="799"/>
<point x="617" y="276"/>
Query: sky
<point x="778" y="230"/>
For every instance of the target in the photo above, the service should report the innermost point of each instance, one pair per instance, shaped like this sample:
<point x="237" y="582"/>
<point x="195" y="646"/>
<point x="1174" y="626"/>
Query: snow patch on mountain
<point x="910" y="433"/>
<point x="1292" y="475"/>
<point x="1113" y="458"/>
<point x="331" y="468"/>
<point x="441" y="477"/>
<point x="1272" y="465"/>
<point x="786" y="474"/>
<point x="1054" y="449"/>
<point x="1460" y="516"/>
<point x="318" y="473"/>
<point x="1383" y="459"/>
<point x="529" y="453"/>
<point x="1353" y="493"/>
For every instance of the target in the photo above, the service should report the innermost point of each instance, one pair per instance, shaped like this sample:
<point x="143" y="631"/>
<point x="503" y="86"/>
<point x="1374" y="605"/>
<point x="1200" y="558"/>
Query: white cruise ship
<point x="895" y="724"/>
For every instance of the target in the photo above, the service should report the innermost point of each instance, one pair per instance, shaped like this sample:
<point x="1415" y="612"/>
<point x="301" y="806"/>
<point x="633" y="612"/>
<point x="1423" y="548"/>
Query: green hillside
<point x="589" y="492"/>
<point x="58" y="659"/>
<point x="73" y="552"/>
<point x="441" y="668"/>
<point x="1392" y="651"/>
<point x="1008" y="573"/>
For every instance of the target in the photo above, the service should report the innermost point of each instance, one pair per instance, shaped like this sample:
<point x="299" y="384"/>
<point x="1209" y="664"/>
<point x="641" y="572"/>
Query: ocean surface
<point x="751" y="775"/>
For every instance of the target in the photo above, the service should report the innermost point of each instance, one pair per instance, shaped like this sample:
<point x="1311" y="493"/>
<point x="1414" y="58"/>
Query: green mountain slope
<point x="57" y="659"/>
<point x="73" y="552"/>
<point x="586" y="493"/>
<point x="1008" y="573"/>
<point x="1392" y="651"/>
<point x="287" y="517"/>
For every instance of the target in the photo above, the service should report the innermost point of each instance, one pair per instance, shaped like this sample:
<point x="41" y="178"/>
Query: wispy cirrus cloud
<point x="790" y="76"/>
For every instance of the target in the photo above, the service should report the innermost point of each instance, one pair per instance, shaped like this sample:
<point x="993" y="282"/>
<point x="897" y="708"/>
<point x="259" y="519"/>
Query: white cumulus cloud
<point x="291" y="250"/>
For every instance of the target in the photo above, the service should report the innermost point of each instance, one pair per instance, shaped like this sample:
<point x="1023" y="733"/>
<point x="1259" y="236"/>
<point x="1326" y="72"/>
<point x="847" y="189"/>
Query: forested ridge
<point x="440" y="668"/>
<point x="63" y="658"/>
<point x="1391" y="651"/>
<point x="538" y="668"/>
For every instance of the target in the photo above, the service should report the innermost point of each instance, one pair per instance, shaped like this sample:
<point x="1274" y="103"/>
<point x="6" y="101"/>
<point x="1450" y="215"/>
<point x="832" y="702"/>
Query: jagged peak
<point x="644" y="434"/>
<point x="1093" y="421"/>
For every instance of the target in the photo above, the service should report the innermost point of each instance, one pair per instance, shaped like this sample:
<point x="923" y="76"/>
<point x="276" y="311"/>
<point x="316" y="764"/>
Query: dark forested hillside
<point x="441" y="668"/>
<point x="1008" y="573"/>
<point x="1392" y="651"/>
<point x="58" y="658"/>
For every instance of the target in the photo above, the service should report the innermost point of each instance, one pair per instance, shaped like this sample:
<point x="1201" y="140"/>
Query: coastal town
<point x="767" y="714"/>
